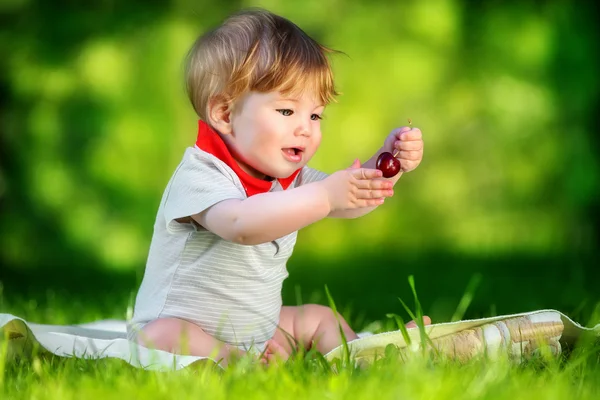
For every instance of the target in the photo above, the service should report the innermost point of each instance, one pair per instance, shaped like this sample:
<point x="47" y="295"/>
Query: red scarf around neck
<point x="209" y="141"/>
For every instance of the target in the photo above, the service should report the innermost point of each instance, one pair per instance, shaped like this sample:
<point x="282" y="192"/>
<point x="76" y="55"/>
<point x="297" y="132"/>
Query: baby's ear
<point x="219" y="114"/>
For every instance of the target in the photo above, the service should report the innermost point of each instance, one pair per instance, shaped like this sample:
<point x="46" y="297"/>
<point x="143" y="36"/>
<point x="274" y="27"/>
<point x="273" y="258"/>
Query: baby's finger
<point x="413" y="134"/>
<point x="369" y="202"/>
<point x="377" y="183"/>
<point x="366" y="173"/>
<point x="362" y="203"/>
<point x="414" y="155"/>
<point x="409" y="165"/>
<point x="399" y="131"/>
<point x="374" y="194"/>
<point x="408" y="144"/>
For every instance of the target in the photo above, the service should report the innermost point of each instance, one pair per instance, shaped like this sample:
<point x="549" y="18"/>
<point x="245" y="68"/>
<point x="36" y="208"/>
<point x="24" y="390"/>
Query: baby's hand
<point x="274" y="352"/>
<point x="356" y="187"/>
<point x="407" y="145"/>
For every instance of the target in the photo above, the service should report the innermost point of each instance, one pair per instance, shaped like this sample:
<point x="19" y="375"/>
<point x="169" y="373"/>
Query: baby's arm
<point x="265" y="217"/>
<point x="268" y="216"/>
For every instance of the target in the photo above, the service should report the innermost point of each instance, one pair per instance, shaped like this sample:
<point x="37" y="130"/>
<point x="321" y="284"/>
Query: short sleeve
<point x="198" y="183"/>
<point x="309" y="175"/>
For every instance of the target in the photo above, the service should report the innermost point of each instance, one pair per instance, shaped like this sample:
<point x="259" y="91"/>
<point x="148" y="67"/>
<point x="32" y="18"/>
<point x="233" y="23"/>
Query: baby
<point x="229" y="216"/>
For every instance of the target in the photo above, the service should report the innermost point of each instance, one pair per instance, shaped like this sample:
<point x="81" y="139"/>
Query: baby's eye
<point x="316" y="117"/>
<point x="285" y="112"/>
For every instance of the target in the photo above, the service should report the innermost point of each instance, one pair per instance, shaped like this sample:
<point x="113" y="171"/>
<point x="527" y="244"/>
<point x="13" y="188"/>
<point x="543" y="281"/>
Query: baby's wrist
<point x="324" y="196"/>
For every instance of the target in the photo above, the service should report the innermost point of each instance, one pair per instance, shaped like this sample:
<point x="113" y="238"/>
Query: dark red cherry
<point x="388" y="164"/>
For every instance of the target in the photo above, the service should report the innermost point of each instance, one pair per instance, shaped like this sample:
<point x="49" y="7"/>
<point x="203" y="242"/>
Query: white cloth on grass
<point x="94" y="340"/>
<point x="108" y="338"/>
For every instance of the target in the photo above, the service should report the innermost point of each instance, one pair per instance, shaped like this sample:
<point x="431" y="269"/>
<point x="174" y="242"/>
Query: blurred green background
<point x="94" y="119"/>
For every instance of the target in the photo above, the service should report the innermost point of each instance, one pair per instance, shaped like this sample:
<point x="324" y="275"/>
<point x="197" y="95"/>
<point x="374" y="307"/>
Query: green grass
<point x="574" y="374"/>
<point x="57" y="378"/>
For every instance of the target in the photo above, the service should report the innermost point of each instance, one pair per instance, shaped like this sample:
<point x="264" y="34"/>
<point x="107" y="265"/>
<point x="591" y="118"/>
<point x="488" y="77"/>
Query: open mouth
<point x="293" y="154"/>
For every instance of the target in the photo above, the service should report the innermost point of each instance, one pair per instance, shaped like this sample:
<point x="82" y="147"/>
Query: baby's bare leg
<point x="182" y="337"/>
<point x="311" y="325"/>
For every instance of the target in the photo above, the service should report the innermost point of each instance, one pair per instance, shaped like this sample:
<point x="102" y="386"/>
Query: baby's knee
<point x="325" y="318"/>
<point x="320" y="312"/>
<point x="162" y="334"/>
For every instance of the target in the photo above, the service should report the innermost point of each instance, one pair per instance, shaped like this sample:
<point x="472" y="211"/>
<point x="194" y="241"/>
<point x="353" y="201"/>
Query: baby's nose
<point x="303" y="130"/>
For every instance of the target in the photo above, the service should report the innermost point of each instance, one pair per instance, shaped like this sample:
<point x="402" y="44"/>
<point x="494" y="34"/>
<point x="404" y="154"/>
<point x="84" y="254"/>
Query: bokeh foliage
<point x="94" y="120"/>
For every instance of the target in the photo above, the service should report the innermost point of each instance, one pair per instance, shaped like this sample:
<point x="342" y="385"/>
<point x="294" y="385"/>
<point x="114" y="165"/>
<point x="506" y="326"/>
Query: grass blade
<point x="408" y="310"/>
<point x="401" y="327"/>
<point x="466" y="299"/>
<point x="419" y="311"/>
<point x="342" y="334"/>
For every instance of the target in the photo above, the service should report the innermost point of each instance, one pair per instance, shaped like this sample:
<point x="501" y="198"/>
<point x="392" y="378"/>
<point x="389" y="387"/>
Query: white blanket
<point x="94" y="340"/>
<point x="107" y="338"/>
<point x="518" y="336"/>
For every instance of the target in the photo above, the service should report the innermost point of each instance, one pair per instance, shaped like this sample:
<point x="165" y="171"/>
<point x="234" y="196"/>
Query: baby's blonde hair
<point x="255" y="50"/>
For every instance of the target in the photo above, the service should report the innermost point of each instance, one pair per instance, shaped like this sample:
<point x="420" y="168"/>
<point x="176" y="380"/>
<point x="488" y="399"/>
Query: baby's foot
<point x="274" y="352"/>
<point x="413" y="324"/>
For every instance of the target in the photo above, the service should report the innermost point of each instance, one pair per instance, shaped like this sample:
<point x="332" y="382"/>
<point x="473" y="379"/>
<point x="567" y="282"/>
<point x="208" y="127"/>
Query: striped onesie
<point x="231" y="291"/>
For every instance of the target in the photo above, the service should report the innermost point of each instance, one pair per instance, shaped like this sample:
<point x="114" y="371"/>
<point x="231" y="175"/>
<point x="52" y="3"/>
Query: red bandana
<point x="210" y="141"/>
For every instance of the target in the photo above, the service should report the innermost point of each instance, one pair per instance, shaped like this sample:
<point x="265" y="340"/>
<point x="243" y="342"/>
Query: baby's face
<point x="273" y="135"/>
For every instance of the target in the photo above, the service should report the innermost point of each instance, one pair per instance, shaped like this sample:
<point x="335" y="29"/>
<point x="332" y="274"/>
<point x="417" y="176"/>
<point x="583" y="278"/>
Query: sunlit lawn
<point x="60" y="379"/>
<point x="575" y="374"/>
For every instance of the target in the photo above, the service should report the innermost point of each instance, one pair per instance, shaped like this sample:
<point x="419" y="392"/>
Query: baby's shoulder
<point x="201" y="177"/>
<point x="194" y="156"/>
<point x="198" y="161"/>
